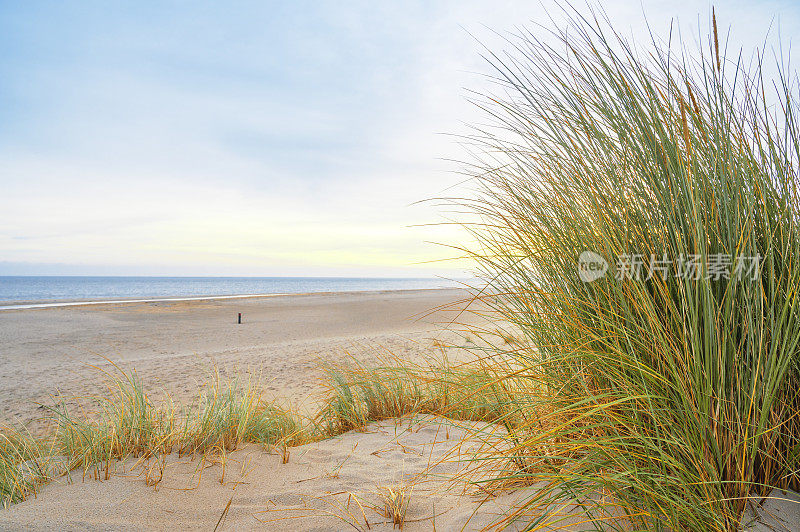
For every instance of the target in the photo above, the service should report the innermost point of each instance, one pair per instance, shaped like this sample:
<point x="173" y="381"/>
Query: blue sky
<point x="252" y="138"/>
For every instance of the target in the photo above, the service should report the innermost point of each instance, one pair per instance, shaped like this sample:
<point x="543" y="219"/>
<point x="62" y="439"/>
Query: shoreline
<point x="34" y="304"/>
<point x="47" y="303"/>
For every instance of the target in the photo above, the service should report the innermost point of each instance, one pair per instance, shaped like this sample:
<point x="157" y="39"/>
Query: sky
<point x="259" y="138"/>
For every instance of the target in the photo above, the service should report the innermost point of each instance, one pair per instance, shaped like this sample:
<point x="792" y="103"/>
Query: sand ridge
<point x="333" y="484"/>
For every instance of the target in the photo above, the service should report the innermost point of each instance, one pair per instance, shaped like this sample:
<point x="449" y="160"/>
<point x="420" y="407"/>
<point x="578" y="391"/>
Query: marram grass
<point x="357" y="395"/>
<point x="130" y="424"/>
<point x="672" y="402"/>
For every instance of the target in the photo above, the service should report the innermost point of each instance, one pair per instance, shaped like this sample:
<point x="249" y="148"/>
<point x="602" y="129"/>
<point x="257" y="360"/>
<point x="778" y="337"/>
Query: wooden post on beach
<point x="240" y="318"/>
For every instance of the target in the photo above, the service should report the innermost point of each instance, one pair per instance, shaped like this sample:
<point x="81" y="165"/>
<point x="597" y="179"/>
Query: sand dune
<point x="334" y="484"/>
<point x="329" y="485"/>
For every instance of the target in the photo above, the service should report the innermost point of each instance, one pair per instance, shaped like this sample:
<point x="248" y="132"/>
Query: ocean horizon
<point x="26" y="289"/>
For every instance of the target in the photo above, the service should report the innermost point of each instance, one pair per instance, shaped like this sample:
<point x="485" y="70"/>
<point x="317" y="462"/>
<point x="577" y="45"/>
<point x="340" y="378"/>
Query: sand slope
<point x="307" y="493"/>
<point x="316" y="490"/>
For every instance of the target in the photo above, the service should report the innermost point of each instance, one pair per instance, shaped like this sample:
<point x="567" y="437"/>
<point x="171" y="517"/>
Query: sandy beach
<point x="59" y="354"/>
<point x="334" y="484"/>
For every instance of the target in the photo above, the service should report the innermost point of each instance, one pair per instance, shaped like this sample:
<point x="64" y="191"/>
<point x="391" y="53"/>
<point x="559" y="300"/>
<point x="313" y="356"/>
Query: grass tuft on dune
<point x="357" y="395"/>
<point x="227" y="414"/>
<point x="129" y="424"/>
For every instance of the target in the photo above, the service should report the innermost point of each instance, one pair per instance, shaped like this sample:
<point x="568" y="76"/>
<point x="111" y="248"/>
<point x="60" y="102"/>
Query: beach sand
<point x="334" y="484"/>
<point x="59" y="354"/>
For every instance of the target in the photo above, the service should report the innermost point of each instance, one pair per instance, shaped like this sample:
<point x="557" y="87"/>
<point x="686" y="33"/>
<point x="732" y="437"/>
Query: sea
<point x="47" y="291"/>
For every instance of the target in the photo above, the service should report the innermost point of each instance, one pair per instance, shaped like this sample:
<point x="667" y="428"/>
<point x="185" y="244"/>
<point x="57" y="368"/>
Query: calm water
<point x="95" y="288"/>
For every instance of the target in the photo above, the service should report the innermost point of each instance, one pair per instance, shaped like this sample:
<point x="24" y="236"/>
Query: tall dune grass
<point x="672" y="401"/>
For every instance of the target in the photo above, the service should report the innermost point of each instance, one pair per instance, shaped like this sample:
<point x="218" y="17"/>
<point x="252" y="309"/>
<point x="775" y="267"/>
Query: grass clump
<point x="227" y="414"/>
<point x="129" y="424"/>
<point x="358" y="395"/>
<point x="395" y="501"/>
<point x="230" y="415"/>
<point x="25" y="464"/>
<point x="673" y="396"/>
<point x="126" y="424"/>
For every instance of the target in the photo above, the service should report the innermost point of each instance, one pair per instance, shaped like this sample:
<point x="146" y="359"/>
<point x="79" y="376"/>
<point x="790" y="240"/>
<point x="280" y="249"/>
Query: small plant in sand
<point x="394" y="501"/>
